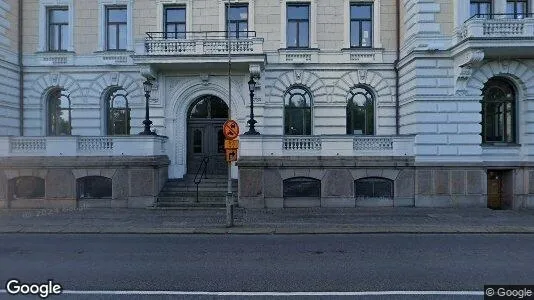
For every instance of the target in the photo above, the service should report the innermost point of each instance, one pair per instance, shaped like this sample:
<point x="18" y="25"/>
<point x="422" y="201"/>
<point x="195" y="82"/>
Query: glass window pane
<point x="122" y="36"/>
<point x="197" y="141"/>
<point x="64" y="122"/>
<point x="297" y="12"/>
<point x="53" y="37"/>
<point x="117" y="15"/>
<point x="485" y="8"/>
<point x="292" y="34"/>
<point x="521" y="10"/>
<point x="473" y="9"/>
<point x="302" y="187"/>
<point x="200" y="110"/>
<point x="59" y="16"/>
<point x="360" y="12"/>
<point x="176" y="15"/>
<point x="303" y="34"/>
<point x="112" y="37"/>
<point x="510" y="7"/>
<point x="238" y="13"/>
<point x="355" y="34"/>
<point x="64" y="37"/>
<point x="232" y="29"/>
<point x="367" y="35"/>
<point x="243" y="28"/>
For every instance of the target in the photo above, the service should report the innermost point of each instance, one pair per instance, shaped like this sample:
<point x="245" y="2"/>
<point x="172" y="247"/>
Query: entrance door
<point x="205" y="138"/>
<point x="495" y="189"/>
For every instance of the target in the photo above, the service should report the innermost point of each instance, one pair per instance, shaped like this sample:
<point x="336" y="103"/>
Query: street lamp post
<point x="251" y="122"/>
<point x="147" y="86"/>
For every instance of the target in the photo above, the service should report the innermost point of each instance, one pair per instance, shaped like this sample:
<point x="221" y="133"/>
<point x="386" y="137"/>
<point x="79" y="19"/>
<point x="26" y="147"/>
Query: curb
<point x="270" y="231"/>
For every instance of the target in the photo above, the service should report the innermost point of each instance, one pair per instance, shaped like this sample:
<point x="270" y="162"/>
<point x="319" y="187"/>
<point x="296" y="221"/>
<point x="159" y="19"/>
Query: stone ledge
<point x="325" y="161"/>
<point x="84" y="161"/>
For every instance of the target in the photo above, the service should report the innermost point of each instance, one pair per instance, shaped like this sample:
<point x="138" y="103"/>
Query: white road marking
<point x="373" y="293"/>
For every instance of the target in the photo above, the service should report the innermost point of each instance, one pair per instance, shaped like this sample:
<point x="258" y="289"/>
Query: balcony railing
<point x="326" y="145"/>
<point x="202" y="43"/>
<point x="498" y="25"/>
<point x="83" y="146"/>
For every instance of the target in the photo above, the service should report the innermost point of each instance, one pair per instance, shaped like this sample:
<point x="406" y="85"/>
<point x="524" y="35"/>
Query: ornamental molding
<point x="464" y="71"/>
<point x="115" y="79"/>
<point x="373" y="80"/>
<point x="516" y="71"/>
<point x="278" y="86"/>
<point x="43" y="84"/>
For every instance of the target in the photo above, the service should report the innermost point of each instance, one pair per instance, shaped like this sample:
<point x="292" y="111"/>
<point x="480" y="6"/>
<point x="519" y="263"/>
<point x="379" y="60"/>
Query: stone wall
<point x="136" y="181"/>
<point x="9" y="85"/>
<point x="261" y="180"/>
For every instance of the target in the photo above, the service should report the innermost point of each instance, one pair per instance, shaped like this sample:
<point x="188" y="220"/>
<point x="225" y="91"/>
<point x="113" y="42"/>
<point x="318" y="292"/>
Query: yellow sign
<point x="231" y="155"/>
<point x="231" y="144"/>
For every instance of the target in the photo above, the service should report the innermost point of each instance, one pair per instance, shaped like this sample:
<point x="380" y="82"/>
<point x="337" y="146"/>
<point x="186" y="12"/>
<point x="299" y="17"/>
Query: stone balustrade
<point x="202" y="46"/>
<point x="83" y="146"/>
<point x="326" y="145"/>
<point x="497" y="27"/>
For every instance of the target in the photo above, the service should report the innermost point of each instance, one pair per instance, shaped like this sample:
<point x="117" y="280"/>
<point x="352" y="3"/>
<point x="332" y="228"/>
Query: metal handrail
<point x="504" y="16"/>
<point x="203" y="167"/>
<point x="164" y="35"/>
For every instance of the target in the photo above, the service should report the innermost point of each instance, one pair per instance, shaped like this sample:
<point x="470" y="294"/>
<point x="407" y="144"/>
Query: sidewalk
<point x="268" y="221"/>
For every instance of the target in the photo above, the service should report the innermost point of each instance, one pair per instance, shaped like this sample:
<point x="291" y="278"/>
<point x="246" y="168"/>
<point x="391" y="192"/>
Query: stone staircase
<point x="182" y="193"/>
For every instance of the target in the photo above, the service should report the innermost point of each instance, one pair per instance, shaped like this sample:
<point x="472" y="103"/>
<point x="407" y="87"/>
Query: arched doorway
<point x="205" y="137"/>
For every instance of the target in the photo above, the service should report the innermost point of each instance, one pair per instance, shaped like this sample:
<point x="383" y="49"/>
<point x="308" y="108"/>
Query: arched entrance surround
<point x="181" y="96"/>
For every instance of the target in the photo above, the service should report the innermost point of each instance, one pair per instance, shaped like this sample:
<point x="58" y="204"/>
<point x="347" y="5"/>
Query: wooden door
<point x="495" y="189"/>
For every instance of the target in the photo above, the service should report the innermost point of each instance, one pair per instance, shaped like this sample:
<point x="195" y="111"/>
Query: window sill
<point x="55" y="52"/>
<point x="298" y="49"/>
<point x="500" y="145"/>
<point x="114" y="51"/>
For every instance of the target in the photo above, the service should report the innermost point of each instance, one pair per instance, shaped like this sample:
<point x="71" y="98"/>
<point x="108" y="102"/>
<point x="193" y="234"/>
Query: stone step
<point x="200" y="187"/>
<point x="192" y="199"/>
<point x="190" y="204"/>
<point x="220" y="189"/>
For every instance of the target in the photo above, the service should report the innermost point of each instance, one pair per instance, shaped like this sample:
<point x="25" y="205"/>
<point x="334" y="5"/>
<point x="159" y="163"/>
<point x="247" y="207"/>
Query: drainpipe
<point x="396" y="68"/>
<point x="21" y="75"/>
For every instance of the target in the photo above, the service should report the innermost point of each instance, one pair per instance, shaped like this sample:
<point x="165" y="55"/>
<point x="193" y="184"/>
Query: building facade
<point x="359" y="103"/>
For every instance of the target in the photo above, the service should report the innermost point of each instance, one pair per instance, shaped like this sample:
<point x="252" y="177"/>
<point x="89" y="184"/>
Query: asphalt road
<point x="268" y="263"/>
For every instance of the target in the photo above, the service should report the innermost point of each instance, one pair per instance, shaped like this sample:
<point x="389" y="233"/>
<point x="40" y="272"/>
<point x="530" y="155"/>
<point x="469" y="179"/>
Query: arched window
<point x="297" y="111"/>
<point x="209" y="107"/>
<point x="498" y="112"/>
<point x="302" y="187"/>
<point x="360" y="111"/>
<point x="59" y="112"/>
<point x="94" y="187"/>
<point x="118" y="112"/>
<point x="27" y="187"/>
<point x="373" y="187"/>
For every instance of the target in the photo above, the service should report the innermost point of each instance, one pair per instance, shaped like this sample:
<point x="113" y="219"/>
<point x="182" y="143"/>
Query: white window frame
<point x="102" y="5"/>
<point x="313" y="22"/>
<point x="44" y="6"/>
<point x="188" y="4"/>
<point x="222" y="13"/>
<point x="376" y="41"/>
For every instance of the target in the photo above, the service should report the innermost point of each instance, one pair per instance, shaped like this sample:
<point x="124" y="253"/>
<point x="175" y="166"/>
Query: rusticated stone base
<point x="261" y="182"/>
<point x="135" y="181"/>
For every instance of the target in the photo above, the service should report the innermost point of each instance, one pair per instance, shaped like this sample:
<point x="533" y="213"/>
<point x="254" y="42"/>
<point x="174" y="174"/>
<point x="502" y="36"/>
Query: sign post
<point x="231" y="132"/>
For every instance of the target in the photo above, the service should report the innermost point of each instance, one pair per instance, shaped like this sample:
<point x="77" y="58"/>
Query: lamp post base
<point x="251" y="130"/>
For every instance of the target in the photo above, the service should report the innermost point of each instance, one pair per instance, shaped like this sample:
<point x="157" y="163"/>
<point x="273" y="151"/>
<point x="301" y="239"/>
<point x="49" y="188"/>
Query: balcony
<point x="193" y="47"/>
<point x="498" y="34"/>
<point x="326" y="145"/>
<point x="83" y="146"/>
